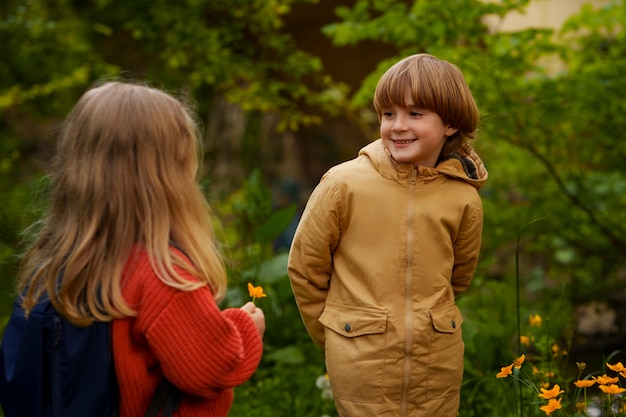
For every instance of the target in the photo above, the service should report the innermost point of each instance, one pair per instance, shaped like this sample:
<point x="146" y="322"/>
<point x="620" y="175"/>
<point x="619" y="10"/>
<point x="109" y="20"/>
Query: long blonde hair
<point x="124" y="174"/>
<point x="435" y="85"/>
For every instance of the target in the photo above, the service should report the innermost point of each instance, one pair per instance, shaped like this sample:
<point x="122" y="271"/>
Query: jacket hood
<point x="464" y="165"/>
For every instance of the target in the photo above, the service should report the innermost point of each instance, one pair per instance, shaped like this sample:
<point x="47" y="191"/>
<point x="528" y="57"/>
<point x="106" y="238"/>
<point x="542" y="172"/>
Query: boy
<point x="386" y="243"/>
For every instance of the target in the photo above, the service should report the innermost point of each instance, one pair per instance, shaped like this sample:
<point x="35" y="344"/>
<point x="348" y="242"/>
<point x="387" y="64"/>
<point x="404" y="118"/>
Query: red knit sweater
<point x="184" y="336"/>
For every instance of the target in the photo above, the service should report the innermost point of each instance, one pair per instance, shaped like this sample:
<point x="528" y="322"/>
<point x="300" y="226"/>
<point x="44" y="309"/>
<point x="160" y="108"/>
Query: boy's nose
<point x="399" y="124"/>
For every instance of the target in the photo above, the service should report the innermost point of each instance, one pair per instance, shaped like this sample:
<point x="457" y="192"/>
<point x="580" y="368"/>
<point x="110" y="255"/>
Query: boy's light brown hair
<point x="435" y="85"/>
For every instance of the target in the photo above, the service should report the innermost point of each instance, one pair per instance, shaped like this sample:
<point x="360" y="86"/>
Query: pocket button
<point x="347" y="327"/>
<point x="453" y="324"/>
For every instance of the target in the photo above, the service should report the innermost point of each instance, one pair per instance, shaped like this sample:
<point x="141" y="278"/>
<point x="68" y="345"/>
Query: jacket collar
<point x="465" y="165"/>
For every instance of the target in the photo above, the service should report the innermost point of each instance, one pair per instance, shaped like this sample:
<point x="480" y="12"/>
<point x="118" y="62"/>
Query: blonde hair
<point x="124" y="174"/>
<point x="435" y="85"/>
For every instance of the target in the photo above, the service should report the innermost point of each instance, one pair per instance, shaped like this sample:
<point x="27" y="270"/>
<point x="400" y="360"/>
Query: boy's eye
<point x="415" y="113"/>
<point x="387" y="113"/>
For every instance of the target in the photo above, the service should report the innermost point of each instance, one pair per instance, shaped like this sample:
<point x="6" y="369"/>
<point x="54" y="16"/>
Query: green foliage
<point x="283" y="390"/>
<point x="48" y="55"/>
<point x="232" y="49"/>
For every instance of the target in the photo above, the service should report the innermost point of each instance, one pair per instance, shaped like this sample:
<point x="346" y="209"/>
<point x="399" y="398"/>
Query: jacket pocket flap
<point x="352" y="321"/>
<point x="446" y="318"/>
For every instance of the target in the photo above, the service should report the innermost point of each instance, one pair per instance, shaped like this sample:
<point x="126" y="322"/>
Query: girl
<point x="388" y="241"/>
<point x="128" y="234"/>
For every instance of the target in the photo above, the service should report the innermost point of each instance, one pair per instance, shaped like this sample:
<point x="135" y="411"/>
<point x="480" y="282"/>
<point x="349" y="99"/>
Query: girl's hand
<point x="257" y="315"/>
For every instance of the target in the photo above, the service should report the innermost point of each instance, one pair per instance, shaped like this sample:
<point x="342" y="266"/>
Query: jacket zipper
<point x="408" y="311"/>
<point x="56" y="369"/>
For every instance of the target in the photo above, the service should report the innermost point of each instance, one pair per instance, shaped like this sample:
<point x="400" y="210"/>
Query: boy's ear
<point x="450" y="130"/>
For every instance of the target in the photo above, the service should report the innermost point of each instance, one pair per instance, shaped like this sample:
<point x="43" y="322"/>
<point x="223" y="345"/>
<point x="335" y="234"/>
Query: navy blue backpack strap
<point x="85" y="354"/>
<point x="166" y="398"/>
<point x="49" y="367"/>
<point x="21" y="364"/>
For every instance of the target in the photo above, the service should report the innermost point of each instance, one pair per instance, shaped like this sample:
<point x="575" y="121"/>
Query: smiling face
<point x="413" y="135"/>
<point x="420" y="101"/>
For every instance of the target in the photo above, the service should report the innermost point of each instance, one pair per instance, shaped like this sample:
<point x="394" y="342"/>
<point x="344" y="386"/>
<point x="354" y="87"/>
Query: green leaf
<point x="291" y="355"/>
<point x="274" y="226"/>
<point x="274" y="269"/>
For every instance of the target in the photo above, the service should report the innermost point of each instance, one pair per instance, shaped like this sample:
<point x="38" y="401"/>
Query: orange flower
<point x="552" y="406"/>
<point x="618" y="367"/>
<point x="612" y="389"/>
<point x="505" y="371"/>
<point x="584" y="383"/>
<point x="605" y="380"/>
<point x="519" y="361"/>
<point x="255" y="292"/>
<point x="551" y="393"/>
<point x="623" y="374"/>
<point x="524" y="340"/>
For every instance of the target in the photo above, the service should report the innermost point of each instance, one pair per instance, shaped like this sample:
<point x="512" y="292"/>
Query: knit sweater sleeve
<point x="201" y="349"/>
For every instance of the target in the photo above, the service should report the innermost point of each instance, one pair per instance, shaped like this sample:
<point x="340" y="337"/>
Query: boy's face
<point x="413" y="135"/>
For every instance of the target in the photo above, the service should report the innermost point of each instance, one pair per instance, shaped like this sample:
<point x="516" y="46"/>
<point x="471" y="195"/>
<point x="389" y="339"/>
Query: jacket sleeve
<point x="201" y="349"/>
<point x="467" y="247"/>
<point x="311" y="256"/>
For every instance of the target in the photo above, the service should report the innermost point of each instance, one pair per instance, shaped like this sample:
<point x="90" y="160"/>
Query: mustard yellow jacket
<point x="379" y="255"/>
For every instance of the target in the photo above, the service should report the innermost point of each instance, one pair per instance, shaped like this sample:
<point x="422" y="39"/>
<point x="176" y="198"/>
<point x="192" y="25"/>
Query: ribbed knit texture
<point x="184" y="336"/>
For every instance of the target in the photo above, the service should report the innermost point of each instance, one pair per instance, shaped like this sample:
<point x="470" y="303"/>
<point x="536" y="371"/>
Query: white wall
<point x="543" y="14"/>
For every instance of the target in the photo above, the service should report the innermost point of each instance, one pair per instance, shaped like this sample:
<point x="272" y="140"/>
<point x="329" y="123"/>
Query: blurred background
<point x="283" y="90"/>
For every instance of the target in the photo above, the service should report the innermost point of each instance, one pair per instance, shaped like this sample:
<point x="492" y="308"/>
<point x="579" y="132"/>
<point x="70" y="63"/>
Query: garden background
<point x="284" y="88"/>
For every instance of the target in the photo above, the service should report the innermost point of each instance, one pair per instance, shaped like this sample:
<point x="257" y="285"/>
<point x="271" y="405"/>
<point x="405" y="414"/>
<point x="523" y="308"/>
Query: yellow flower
<point x="505" y="371"/>
<point x="551" y="393"/>
<point x="552" y="406"/>
<point x="535" y="320"/>
<point x="536" y="371"/>
<point x="524" y="340"/>
<point x="605" y="380"/>
<point x="612" y="389"/>
<point x="584" y="383"/>
<point x="519" y="361"/>
<point x="618" y="367"/>
<point x="581" y="366"/>
<point x="556" y="350"/>
<point x="255" y="292"/>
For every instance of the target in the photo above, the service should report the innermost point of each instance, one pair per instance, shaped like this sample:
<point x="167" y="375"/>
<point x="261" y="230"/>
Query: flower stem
<point x="517" y="292"/>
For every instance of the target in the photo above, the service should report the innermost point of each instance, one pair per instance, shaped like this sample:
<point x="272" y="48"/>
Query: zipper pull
<point x="414" y="173"/>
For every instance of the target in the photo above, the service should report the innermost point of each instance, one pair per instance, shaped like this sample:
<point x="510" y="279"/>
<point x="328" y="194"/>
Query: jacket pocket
<point x="446" y="318"/>
<point x="446" y="353"/>
<point x="355" y="351"/>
